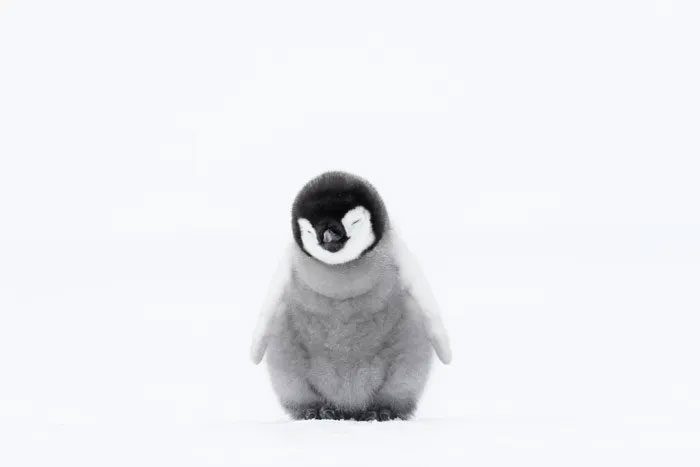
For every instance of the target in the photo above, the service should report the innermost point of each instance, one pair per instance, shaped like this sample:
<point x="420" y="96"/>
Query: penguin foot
<point x="303" y="411"/>
<point x="386" y="415"/>
<point x="328" y="413"/>
<point x="369" y="416"/>
<point x="380" y="414"/>
<point x="314" y="412"/>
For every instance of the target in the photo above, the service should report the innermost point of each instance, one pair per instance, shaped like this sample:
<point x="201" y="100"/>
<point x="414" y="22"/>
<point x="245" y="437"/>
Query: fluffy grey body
<point x="349" y="342"/>
<point x="350" y="322"/>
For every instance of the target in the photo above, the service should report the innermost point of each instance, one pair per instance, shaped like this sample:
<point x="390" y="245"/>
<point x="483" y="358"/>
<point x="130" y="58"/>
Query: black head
<point x="337" y="217"/>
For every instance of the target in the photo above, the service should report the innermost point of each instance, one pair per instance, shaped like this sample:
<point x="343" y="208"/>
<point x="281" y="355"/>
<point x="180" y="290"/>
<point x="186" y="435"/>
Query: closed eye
<point x="355" y="222"/>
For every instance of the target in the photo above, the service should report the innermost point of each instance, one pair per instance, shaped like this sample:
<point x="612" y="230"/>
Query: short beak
<point x="330" y="236"/>
<point x="332" y="240"/>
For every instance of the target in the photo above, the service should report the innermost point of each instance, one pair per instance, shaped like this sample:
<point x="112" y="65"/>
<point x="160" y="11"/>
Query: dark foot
<point x="386" y="415"/>
<point x="314" y="412"/>
<point x="385" y="412"/>
<point x="377" y="414"/>
<point x="303" y="412"/>
<point x="328" y="413"/>
<point x="369" y="416"/>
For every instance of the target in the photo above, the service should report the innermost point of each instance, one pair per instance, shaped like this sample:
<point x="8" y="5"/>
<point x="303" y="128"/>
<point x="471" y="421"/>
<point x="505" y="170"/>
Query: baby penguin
<point x="350" y="322"/>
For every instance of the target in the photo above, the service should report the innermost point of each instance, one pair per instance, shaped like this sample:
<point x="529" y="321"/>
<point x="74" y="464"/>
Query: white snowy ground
<point x="541" y="159"/>
<point x="445" y="442"/>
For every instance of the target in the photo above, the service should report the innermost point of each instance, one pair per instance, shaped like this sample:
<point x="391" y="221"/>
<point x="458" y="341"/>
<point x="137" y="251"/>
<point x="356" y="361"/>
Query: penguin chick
<point x="350" y="320"/>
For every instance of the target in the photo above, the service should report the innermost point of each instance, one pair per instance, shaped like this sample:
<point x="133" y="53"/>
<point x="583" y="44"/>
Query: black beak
<point x="332" y="236"/>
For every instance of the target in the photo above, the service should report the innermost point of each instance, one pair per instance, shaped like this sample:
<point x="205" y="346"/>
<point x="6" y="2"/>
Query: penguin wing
<point x="273" y="307"/>
<point x="421" y="299"/>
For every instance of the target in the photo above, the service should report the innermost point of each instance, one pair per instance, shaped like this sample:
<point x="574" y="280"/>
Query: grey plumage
<point x="350" y="340"/>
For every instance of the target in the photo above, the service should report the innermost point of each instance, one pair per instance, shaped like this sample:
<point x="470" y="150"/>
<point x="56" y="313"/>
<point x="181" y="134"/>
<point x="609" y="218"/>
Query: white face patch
<point x="358" y="227"/>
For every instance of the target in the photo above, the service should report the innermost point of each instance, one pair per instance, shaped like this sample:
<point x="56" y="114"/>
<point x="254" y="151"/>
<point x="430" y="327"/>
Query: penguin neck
<point x="347" y="280"/>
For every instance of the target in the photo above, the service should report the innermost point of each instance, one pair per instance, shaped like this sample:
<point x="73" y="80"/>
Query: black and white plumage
<point x="350" y="322"/>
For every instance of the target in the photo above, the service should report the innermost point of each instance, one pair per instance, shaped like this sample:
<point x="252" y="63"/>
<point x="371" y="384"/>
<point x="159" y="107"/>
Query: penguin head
<point x="337" y="217"/>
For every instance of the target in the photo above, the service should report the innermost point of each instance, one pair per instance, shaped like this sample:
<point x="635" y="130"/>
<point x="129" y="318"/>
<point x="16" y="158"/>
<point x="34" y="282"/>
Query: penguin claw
<point x="369" y="415"/>
<point x="310" y="414"/>
<point x="327" y="413"/>
<point x="378" y="414"/>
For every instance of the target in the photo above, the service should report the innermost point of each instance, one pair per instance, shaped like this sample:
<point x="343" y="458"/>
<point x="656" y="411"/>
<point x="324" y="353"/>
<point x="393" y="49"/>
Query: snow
<point x="429" y="441"/>
<point x="149" y="153"/>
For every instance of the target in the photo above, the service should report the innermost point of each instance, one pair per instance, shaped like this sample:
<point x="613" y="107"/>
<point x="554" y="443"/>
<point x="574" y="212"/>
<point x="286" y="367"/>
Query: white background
<point x="540" y="158"/>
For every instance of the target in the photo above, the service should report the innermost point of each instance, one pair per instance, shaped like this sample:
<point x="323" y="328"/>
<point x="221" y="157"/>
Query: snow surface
<point x="487" y="441"/>
<point x="149" y="153"/>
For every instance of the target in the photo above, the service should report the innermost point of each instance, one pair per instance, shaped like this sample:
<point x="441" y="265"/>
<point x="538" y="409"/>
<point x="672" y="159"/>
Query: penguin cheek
<point x="357" y="221"/>
<point x="310" y="244"/>
<point x="307" y="233"/>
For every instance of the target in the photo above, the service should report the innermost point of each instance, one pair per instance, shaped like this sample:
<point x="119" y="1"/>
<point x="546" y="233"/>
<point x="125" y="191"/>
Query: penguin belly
<point x="347" y="363"/>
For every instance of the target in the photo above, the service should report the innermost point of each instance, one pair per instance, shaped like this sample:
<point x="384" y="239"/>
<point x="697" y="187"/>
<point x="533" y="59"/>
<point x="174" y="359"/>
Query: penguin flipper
<point x="421" y="298"/>
<point x="273" y="307"/>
